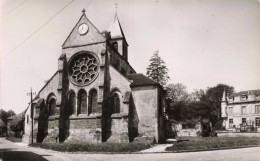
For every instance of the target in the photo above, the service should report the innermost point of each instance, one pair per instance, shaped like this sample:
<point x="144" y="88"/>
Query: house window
<point x="82" y="106"/>
<point x="243" y="110"/>
<point x="27" y="119"/>
<point x="243" y="97"/>
<point x="92" y="102"/>
<point x="72" y="103"/>
<point x="257" y="109"/>
<point x="52" y="107"/>
<point x="257" y="122"/>
<point x="230" y="110"/>
<point x="115" y="103"/>
<point x="230" y="123"/>
<point x="115" y="44"/>
<point x="244" y="122"/>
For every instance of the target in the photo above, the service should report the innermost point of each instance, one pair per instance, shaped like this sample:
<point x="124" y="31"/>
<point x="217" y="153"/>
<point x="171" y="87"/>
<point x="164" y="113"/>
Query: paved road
<point x="12" y="151"/>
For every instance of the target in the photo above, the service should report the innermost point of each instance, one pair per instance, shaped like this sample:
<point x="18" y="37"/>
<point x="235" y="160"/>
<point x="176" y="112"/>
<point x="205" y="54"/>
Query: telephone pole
<point x="31" y="94"/>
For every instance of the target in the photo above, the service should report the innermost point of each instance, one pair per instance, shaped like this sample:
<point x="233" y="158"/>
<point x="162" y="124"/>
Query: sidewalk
<point x="157" y="148"/>
<point x="21" y="144"/>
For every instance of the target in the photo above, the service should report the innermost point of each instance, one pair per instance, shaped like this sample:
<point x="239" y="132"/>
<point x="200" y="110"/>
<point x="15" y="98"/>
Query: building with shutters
<point x="241" y="111"/>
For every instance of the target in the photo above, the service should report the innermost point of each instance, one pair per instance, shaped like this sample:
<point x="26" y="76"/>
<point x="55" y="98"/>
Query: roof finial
<point x="83" y="11"/>
<point x="116" y="7"/>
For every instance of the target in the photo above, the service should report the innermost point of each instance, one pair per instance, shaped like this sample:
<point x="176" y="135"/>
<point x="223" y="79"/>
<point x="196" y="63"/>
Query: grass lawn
<point x="94" y="147"/>
<point x="14" y="139"/>
<point x="207" y="143"/>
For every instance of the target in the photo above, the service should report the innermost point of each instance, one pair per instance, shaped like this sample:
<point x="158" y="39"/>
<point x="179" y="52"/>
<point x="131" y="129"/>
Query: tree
<point x="177" y="92"/>
<point x="17" y="125"/>
<point x="4" y="115"/>
<point x="212" y="99"/>
<point x="178" y="104"/>
<point x="157" y="69"/>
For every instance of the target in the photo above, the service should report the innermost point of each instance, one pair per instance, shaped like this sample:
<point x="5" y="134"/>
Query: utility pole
<point x="31" y="94"/>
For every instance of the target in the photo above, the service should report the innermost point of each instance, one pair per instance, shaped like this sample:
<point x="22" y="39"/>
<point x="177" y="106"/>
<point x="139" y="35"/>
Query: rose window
<point x="83" y="69"/>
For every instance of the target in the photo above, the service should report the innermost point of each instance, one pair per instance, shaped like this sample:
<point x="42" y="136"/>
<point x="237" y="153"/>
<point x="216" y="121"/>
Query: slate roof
<point x="20" y="115"/>
<point x="254" y="92"/>
<point x="140" y="80"/>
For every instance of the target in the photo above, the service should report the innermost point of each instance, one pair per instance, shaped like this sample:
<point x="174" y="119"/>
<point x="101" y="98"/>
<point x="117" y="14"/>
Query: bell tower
<point x="118" y="38"/>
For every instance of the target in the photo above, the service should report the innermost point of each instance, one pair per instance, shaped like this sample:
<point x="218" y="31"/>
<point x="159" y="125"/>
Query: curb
<point x="213" y="149"/>
<point x="177" y="151"/>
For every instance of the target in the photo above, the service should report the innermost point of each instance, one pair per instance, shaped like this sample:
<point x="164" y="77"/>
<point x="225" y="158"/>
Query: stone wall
<point x="145" y="103"/>
<point x="119" y="129"/>
<point x="119" y="62"/>
<point x="177" y="127"/>
<point x="237" y="134"/>
<point x="84" y="128"/>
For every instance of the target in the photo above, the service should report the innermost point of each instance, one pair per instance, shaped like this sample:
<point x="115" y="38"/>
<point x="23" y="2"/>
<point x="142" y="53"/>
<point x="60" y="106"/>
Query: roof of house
<point x="254" y="92"/>
<point x="2" y="124"/>
<point x="18" y="116"/>
<point x="140" y="80"/>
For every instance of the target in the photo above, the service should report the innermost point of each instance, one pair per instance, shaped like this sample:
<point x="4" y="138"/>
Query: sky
<point x="203" y="42"/>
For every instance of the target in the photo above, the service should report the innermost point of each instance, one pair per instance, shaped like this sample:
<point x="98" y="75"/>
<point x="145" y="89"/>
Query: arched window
<point x="115" y="44"/>
<point x="52" y="107"/>
<point x="92" y="108"/>
<point x="82" y="106"/>
<point x="115" y="103"/>
<point x="72" y="103"/>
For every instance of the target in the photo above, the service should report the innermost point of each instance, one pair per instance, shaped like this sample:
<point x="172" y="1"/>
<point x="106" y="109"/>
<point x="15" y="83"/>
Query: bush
<point x="16" y="125"/>
<point x="94" y="147"/>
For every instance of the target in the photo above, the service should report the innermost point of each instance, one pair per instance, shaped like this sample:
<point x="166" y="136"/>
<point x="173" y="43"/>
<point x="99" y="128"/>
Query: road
<point x="12" y="151"/>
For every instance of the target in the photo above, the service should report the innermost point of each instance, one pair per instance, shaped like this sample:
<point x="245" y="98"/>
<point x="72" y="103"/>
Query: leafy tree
<point x="17" y="125"/>
<point x="204" y="104"/>
<point x="5" y="114"/>
<point x="157" y="69"/>
<point x="177" y="92"/>
<point x="176" y="101"/>
<point x="212" y="100"/>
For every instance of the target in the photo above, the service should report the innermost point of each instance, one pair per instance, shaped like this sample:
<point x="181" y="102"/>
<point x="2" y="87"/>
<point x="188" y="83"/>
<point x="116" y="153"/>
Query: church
<point x="96" y="95"/>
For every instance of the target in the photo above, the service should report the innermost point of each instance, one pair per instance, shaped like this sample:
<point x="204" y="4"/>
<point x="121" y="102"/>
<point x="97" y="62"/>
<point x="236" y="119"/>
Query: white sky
<point x="203" y="42"/>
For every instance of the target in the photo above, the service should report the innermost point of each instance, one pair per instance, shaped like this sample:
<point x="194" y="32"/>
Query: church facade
<point x="96" y="95"/>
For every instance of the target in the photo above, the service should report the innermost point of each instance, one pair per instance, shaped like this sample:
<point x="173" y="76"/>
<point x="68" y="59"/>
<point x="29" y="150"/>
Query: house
<point x="9" y="121"/>
<point x="241" y="111"/>
<point x="96" y="95"/>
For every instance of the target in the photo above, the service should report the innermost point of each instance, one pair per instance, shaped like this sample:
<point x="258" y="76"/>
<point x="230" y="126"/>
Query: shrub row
<point x="94" y="147"/>
<point x="201" y="143"/>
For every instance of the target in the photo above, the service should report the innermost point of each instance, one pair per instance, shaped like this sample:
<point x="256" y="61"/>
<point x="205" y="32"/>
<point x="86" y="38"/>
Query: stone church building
<point x="96" y="95"/>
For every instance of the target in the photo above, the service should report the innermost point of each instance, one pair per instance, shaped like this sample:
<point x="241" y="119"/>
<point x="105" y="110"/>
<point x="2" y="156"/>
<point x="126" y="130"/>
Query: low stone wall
<point x="188" y="131"/>
<point x="237" y="134"/>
